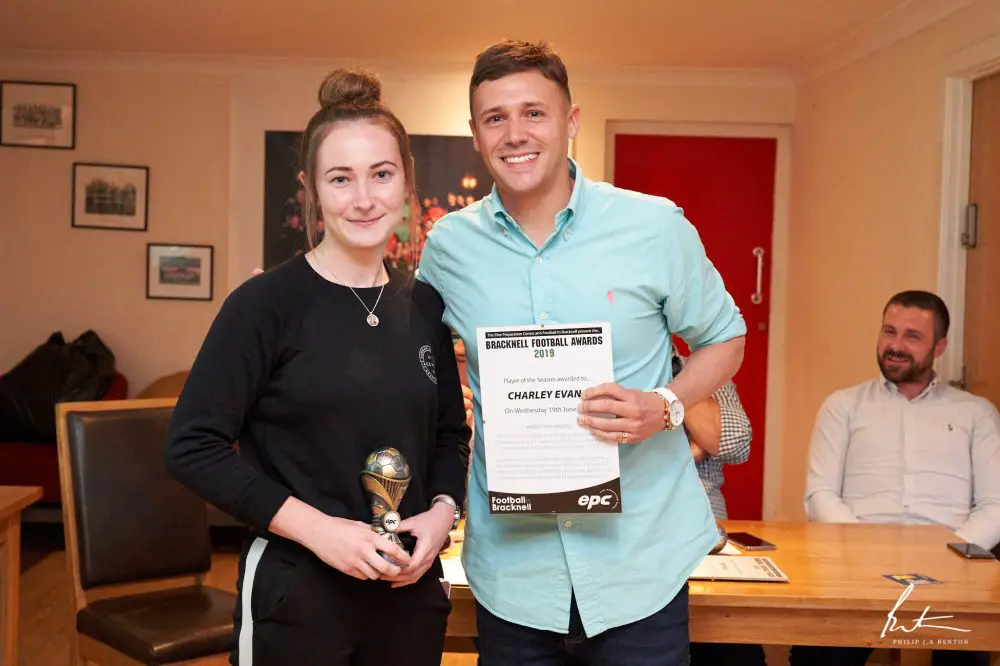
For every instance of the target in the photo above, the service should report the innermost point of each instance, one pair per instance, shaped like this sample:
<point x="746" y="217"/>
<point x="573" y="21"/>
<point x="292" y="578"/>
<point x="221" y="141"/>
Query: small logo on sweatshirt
<point x="427" y="362"/>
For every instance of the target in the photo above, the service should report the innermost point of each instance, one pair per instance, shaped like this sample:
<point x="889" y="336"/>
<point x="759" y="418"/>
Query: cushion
<point x="164" y="626"/>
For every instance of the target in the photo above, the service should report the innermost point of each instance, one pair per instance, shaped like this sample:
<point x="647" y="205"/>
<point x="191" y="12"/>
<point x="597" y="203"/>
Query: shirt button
<point x="568" y="523"/>
<point x="506" y="233"/>
<point x="538" y="260"/>
<point x="543" y="315"/>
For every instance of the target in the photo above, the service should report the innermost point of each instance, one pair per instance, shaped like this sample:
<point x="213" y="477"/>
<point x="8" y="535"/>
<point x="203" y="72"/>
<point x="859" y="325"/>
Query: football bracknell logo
<point x="427" y="362"/>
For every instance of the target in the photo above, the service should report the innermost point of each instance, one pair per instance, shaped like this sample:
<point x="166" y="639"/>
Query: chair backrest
<point x="126" y="519"/>
<point x="168" y="386"/>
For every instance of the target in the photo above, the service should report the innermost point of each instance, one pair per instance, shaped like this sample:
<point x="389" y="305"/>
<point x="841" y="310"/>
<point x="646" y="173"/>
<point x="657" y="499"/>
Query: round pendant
<point x="372" y="320"/>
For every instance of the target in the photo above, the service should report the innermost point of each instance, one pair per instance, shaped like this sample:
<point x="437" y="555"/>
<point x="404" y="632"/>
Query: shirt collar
<point x="892" y="388"/>
<point x="572" y="210"/>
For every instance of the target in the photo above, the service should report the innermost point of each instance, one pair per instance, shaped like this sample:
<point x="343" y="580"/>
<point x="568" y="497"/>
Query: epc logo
<point x="390" y="521"/>
<point x="606" y="500"/>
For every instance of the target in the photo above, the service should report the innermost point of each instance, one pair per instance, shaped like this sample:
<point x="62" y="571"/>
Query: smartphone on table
<point x="971" y="551"/>
<point x="748" y="541"/>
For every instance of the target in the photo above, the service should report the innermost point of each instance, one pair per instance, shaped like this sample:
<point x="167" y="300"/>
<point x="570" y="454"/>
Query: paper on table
<point x="454" y="572"/>
<point x="747" y="568"/>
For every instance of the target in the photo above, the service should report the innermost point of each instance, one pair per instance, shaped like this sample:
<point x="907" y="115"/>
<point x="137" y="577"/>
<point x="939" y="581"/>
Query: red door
<point x="726" y="188"/>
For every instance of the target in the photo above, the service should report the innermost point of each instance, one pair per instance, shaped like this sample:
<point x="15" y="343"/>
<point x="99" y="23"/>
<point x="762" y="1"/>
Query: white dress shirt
<point x="878" y="457"/>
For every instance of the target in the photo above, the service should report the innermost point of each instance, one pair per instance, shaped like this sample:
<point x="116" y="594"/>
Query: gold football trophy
<point x="386" y="476"/>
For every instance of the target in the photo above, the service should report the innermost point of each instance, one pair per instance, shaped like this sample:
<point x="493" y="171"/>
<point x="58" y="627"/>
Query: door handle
<point x="757" y="296"/>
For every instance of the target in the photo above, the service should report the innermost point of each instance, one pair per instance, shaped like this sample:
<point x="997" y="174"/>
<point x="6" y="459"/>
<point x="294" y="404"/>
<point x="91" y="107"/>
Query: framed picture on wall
<point x="110" y="196"/>
<point x="38" y="115"/>
<point x="180" y="272"/>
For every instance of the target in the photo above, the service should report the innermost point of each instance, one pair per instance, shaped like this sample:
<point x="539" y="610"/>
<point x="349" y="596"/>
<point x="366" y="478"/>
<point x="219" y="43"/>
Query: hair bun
<point x="345" y="86"/>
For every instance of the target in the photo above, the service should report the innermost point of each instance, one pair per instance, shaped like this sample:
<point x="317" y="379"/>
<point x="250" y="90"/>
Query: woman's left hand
<point x="431" y="529"/>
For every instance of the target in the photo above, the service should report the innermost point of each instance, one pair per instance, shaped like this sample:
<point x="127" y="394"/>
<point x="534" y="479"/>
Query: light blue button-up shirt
<point x="632" y="260"/>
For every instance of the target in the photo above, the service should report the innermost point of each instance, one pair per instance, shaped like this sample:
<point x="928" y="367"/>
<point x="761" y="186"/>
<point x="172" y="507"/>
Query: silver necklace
<point x="372" y="318"/>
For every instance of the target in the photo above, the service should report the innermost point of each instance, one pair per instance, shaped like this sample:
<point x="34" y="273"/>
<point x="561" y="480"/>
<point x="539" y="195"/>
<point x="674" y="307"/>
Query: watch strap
<point x="450" y="501"/>
<point x="667" y="394"/>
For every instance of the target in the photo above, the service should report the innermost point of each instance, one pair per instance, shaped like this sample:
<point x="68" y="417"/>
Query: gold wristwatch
<point x="673" y="409"/>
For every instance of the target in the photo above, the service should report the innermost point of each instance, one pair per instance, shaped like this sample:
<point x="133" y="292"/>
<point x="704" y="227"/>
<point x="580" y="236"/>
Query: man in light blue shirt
<point x="548" y="246"/>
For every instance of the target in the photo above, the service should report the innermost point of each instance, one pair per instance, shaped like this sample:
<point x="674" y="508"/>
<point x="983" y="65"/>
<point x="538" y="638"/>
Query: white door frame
<point x="962" y="68"/>
<point x="777" y="323"/>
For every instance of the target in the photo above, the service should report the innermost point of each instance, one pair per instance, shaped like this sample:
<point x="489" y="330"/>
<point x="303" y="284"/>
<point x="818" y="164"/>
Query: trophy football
<point x="386" y="476"/>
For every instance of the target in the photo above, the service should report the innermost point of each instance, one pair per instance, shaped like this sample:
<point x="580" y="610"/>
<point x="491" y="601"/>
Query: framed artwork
<point x="449" y="175"/>
<point x="179" y="272"/>
<point x="110" y="196"/>
<point x="38" y="115"/>
<point x="284" y="225"/>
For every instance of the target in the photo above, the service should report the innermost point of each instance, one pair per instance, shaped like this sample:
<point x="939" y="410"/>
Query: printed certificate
<point x="538" y="459"/>
<point x="739" y="567"/>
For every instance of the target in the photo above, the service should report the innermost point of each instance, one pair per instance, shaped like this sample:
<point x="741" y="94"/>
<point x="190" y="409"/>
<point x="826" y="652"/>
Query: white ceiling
<point x="767" y="34"/>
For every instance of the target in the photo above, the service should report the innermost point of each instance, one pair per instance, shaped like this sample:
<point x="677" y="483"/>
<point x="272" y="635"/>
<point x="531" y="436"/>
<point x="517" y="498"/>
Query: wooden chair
<point x="168" y="386"/>
<point x="137" y="542"/>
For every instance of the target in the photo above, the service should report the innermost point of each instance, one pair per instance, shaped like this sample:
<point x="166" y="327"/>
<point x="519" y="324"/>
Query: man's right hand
<point x="467" y="399"/>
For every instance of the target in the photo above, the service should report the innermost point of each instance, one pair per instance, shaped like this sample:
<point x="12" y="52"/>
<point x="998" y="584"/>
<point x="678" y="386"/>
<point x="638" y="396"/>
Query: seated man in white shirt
<point x="905" y="448"/>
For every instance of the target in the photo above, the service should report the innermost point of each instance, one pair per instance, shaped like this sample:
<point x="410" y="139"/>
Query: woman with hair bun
<point x="311" y="367"/>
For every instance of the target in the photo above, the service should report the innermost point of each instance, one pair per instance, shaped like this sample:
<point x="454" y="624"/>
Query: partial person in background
<point x="906" y="448"/>
<point x="719" y="433"/>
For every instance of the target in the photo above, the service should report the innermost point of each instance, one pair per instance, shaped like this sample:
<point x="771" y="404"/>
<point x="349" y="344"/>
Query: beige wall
<point x="56" y="278"/>
<point x="866" y="188"/>
<point x="198" y="125"/>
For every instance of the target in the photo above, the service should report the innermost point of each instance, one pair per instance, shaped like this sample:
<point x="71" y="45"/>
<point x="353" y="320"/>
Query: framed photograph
<point x="181" y="272"/>
<point x="38" y="115"/>
<point x="110" y="196"/>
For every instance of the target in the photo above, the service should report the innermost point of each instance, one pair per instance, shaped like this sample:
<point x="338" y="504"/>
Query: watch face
<point x="677" y="413"/>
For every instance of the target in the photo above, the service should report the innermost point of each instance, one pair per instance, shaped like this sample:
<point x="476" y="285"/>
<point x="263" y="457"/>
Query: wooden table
<point x="12" y="500"/>
<point x="837" y="594"/>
